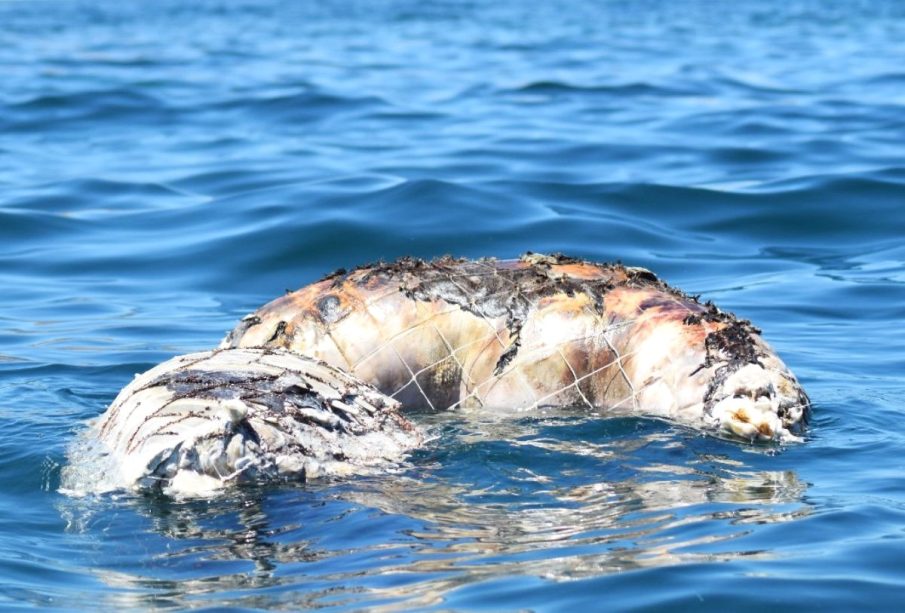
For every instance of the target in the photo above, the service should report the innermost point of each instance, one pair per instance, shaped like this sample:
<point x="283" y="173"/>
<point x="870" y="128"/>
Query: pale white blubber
<point x="199" y="422"/>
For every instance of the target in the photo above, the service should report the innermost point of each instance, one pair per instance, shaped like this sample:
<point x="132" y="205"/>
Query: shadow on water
<point x="600" y="497"/>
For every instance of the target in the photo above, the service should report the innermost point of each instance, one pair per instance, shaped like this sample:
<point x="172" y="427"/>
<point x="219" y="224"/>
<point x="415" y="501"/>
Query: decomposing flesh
<point x="534" y="332"/>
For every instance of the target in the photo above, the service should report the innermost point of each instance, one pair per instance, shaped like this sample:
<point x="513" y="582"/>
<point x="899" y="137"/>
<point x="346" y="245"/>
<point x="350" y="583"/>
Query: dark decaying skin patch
<point x="247" y="322"/>
<point x="732" y="347"/>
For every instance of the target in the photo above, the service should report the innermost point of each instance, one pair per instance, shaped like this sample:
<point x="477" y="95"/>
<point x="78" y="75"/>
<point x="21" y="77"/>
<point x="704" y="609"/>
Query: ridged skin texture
<point x="201" y="421"/>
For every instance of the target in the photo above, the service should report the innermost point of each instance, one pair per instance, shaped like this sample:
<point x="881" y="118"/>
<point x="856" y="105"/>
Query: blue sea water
<point x="166" y="167"/>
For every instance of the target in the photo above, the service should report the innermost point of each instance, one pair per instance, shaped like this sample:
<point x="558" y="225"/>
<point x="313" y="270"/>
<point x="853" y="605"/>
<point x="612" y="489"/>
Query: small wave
<point x="749" y="84"/>
<point x="96" y="198"/>
<point x="45" y="113"/>
<point x="886" y="182"/>
<point x="120" y="98"/>
<point x="305" y="106"/>
<point x="638" y="88"/>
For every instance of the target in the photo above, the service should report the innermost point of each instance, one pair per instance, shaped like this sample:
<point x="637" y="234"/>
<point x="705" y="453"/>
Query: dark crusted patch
<point x="553" y="258"/>
<point x="732" y="346"/>
<point x="733" y="342"/>
<point x="279" y="331"/>
<point x="712" y="314"/>
<point x="337" y="277"/>
<point x="508" y="354"/>
<point x="641" y="277"/>
<point x="693" y="319"/>
<point x="208" y="384"/>
<point x="248" y="322"/>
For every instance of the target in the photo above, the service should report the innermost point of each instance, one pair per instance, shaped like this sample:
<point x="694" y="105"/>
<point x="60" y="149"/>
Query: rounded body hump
<point x="533" y="332"/>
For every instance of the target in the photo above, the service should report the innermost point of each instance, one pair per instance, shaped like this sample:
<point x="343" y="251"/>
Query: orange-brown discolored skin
<point x="540" y="330"/>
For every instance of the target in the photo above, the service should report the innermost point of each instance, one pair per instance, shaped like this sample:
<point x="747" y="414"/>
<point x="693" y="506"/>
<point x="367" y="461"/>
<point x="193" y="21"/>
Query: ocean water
<point x="166" y="167"/>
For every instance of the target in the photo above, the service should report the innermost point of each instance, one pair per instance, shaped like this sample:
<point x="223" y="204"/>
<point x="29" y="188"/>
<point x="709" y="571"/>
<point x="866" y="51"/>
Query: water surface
<point x="168" y="167"/>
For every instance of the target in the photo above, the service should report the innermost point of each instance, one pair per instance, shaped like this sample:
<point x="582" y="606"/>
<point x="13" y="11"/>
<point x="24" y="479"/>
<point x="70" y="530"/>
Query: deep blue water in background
<point x="166" y="167"/>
